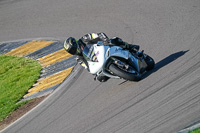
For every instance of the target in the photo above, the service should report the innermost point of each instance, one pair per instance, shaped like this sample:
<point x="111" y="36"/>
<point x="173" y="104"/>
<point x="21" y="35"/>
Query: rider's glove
<point x="81" y="62"/>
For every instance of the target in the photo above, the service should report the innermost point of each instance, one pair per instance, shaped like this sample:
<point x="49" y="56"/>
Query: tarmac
<point x="56" y="64"/>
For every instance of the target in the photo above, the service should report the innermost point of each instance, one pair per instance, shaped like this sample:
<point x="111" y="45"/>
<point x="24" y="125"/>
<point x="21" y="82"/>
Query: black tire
<point x="123" y="74"/>
<point x="150" y="63"/>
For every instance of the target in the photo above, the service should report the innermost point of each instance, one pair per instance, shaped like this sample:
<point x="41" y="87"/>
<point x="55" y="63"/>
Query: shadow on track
<point x="165" y="62"/>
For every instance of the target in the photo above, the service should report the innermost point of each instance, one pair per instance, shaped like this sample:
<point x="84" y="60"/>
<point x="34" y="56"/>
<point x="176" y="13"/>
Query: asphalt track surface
<point x="166" y="100"/>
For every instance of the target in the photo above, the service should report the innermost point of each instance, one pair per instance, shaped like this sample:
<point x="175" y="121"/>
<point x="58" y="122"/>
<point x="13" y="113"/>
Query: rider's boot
<point x="132" y="48"/>
<point x="140" y="53"/>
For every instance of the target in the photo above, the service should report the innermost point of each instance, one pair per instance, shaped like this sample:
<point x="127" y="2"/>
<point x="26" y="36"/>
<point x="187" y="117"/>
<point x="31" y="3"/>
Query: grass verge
<point x="195" y="130"/>
<point x="17" y="75"/>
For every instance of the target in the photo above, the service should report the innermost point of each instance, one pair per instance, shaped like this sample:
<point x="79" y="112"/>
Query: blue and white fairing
<point x="97" y="54"/>
<point x="139" y="63"/>
<point x="95" y="57"/>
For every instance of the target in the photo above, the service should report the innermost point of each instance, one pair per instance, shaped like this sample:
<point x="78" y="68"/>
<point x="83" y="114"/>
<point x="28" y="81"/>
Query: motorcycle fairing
<point x="98" y="56"/>
<point x="99" y="53"/>
<point x="116" y="51"/>
<point x="139" y="63"/>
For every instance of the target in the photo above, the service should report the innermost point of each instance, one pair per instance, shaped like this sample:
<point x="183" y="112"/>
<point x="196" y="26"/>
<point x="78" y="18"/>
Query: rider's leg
<point x="133" y="47"/>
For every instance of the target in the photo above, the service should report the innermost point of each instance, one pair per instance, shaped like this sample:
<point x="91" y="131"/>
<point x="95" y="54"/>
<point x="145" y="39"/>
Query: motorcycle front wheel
<point x="118" y="71"/>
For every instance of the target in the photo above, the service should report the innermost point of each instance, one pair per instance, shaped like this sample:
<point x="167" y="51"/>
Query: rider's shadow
<point x="165" y="62"/>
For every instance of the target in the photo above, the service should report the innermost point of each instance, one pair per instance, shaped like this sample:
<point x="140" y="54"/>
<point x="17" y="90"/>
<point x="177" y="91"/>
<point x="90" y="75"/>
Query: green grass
<point x="17" y="75"/>
<point x="195" y="131"/>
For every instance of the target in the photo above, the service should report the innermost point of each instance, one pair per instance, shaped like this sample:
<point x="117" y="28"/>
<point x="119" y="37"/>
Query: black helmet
<point x="71" y="46"/>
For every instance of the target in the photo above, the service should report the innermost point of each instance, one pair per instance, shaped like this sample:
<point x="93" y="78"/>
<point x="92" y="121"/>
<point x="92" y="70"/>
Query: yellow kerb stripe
<point x="29" y="47"/>
<point x="54" y="57"/>
<point x="50" y="81"/>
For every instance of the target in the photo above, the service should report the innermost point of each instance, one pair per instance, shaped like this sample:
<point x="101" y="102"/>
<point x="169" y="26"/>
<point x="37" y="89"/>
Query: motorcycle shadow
<point x="165" y="62"/>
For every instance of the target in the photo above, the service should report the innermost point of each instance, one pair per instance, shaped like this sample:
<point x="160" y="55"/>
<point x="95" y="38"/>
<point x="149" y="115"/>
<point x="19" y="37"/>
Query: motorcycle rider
<point x="75" y="47"/>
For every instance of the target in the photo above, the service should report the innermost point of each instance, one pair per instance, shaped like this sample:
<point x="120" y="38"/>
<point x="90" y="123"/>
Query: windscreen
<point x="89" y="54"/>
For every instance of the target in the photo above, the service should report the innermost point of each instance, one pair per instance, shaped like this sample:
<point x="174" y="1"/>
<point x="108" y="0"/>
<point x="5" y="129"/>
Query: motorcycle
<point x="107" y="61"/>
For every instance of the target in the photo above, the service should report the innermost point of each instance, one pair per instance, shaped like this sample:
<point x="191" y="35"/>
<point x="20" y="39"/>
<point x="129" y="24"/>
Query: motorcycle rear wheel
<point x="123" y="74"/>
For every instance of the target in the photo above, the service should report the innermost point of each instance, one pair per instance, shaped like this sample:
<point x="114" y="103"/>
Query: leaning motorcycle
<point x="107" y="61"/>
